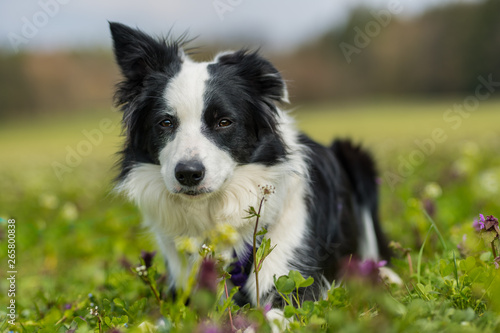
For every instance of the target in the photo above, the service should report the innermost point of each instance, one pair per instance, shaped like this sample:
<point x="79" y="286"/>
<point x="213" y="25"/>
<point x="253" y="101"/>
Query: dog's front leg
<point x="178" y="265"/>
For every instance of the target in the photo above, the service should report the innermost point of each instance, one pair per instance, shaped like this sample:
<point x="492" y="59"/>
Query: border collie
<point x="202" y="137"/>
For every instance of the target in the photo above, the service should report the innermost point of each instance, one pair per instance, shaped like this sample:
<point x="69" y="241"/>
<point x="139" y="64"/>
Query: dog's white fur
<point x="184" y="97"/>
<point x="233" y="188"/>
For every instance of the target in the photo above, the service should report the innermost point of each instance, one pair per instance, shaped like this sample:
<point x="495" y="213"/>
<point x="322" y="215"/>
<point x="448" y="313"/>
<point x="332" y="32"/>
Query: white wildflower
<point x="266" y="191"/>
<point x="48" y="200"/>
<point x="69" y="211"/>
<point x="432" y="190"/>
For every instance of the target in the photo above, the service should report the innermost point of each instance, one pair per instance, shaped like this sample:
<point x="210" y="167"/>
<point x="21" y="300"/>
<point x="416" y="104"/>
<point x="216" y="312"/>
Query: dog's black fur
<point x="241" y="122"/>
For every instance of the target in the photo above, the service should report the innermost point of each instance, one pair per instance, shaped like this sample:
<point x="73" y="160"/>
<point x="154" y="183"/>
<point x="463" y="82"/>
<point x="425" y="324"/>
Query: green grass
<point x="382" y="121"/>
<point x="75" y="237"/>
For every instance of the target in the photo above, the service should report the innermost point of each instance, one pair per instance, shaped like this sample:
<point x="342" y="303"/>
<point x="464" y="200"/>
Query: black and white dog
<point x="201" y="137"/>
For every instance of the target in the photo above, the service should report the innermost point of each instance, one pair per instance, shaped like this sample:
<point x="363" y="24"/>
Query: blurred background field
<point x="76" y="237"/>
<point x="72" y="231"/>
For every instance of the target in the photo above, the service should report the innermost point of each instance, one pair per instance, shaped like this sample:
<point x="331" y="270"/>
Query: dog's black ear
<point x="138" y="54"/>
<point x="259" y="74"/>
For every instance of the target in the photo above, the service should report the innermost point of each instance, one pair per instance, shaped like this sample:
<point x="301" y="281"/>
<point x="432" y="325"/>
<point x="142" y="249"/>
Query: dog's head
<point x="197" y="121"/>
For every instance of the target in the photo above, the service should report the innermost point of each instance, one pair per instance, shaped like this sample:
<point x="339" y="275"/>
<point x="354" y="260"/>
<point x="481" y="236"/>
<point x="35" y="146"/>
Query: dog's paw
<point x="277" y="320"/>
<point x="389" y="276"/>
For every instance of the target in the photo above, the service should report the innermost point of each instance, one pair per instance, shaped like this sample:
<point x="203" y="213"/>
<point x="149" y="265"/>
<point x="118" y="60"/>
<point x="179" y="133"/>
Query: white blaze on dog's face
<point x="191" y="164"/>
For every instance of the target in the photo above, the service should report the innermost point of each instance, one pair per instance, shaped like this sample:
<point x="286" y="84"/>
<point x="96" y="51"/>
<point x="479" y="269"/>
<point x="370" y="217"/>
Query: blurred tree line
<point x="32" y="83"/>
<point x="442" y="51"/>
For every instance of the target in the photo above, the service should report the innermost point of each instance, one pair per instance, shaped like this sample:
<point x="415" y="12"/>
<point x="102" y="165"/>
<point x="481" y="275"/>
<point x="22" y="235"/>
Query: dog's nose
<point x="189" y="173"/>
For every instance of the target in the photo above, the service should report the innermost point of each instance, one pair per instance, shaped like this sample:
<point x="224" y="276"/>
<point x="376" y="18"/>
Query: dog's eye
<point x="225" y="123"/>
<point x="167" y="123"/>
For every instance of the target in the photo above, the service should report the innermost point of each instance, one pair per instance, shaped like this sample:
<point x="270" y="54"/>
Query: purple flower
<point x="207" y="278"/>
<point x="490" y="222"/>
<point x="429" y="207"/>
<point x="240" y="322"/>
<point x="207" y="327"/>
<point x="478" y="225"/>
<point x="369" y="267"/>
<point x="238" y="274"/>
<point x="148" y="258"/>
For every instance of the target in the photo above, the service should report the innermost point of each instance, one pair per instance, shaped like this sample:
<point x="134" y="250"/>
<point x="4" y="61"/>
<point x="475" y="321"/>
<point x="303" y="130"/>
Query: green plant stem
<point x="99" y="322"/>
<point x="155" y="292"/>
<point x="421" y="252"/>
<point x="285" y="298"/>
<point x="297" y="298"/>
<point x="61" y="320"/>
<point x="229" y="308"/>
<point x="255" y="263"/>
<point x="436" y="228"/>
<point x="148" y="282"/>
<point x="493" y="248"/>
<point x="456" y="271"/>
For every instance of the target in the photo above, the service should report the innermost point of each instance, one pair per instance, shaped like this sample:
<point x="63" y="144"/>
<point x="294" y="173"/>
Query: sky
<point x="49" y="25"/>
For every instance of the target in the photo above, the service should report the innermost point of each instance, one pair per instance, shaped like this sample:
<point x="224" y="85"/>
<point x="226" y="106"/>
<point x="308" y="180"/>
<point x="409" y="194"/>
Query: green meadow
<point x="77" y="243"/>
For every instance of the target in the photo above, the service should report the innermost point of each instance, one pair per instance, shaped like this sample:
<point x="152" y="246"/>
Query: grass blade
<point x="420" y="253"/>
<point x="436" y="228"/>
